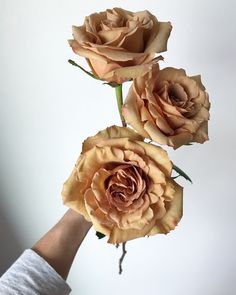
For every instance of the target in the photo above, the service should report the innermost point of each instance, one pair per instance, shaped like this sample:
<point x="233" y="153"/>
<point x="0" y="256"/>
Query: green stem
<point x="119" y="99"/>
<point x="73" y="63"/>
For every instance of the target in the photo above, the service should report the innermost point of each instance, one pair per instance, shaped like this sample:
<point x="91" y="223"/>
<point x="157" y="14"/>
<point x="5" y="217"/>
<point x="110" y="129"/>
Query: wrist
<point x="59" y="246"/>
<point x="73" y="218"/>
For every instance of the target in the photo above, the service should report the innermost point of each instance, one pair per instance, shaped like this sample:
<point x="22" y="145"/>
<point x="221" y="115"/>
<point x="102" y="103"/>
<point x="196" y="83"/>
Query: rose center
<point x="126" y="184"/>
<point x="177" y="95"/>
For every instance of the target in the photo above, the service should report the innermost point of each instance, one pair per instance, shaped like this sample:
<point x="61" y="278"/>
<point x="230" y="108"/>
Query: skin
<point x="61" y="243"/>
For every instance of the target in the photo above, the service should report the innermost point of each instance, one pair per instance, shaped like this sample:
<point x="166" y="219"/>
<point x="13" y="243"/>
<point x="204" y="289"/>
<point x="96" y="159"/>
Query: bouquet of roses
<point x="123" y="181"/>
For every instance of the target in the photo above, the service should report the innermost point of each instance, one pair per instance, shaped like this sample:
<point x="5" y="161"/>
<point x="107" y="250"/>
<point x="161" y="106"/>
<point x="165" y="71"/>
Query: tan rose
<point x="124" y="186"/>
<point x="119" y="44"/>
<point x="168" y="107"/>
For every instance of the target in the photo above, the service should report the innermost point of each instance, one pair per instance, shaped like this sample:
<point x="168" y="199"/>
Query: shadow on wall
<point x="10" y="246"/>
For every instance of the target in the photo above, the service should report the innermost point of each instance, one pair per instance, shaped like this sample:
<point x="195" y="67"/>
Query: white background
<point x="49" y="107"/>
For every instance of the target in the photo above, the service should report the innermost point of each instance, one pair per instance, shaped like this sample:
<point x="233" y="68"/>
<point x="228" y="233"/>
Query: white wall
<point x="49" y="107"/>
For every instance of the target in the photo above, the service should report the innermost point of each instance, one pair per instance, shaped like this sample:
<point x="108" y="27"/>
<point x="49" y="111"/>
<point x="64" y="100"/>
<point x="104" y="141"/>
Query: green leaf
<point x="174" y="177"/>
<point x="73" y="63"/>
<point x="181" y="173"/>
<point x="99" y="235"/>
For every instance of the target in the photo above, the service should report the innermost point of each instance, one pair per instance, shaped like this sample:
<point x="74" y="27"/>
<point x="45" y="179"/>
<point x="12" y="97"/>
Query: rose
<point x="168" y="107"/>
<point x="124" y="186"/>
<point x="119" y="44"/>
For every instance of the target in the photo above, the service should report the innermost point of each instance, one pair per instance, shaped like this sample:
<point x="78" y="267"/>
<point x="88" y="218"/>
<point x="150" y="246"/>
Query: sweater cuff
<point x="31" y="275"/>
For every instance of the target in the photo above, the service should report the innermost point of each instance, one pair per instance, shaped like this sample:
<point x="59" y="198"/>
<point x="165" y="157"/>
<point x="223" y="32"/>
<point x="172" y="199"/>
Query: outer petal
<point x="199" y="81"/>
<point x="159" y="156"/>
<point x="131" y="113"/>
<point x="99" y="190"/>
<point x="169" y="191"/>
<point x="73" y="196"/>
<point x="173" y="215"/>
<point x="202" y="133"/>
<point x="123" y="74"/>
<point x="100" y="221"/>
<point x="101" y="68"/>
<point x="81" y="35"/>
<point x="119" y="236"/>
<point x="76" y="47"/>
<point x="156" y="134"/>
<point x="91" y="161"/>
<point x="180" y="139"/>
<point x="110" y="133"/>
<point x="114" y="53"/>
<point x="159" y="44"/>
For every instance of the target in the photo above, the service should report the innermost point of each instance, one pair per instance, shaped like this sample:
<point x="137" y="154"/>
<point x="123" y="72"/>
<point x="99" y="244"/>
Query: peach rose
<point x="168" y="107"/>
<point x="123" y="186"/>
<point x="118" y="44"/>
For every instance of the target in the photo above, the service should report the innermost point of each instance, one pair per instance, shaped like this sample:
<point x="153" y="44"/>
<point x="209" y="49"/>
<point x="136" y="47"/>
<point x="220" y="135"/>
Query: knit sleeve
<point x="32" y="275"/>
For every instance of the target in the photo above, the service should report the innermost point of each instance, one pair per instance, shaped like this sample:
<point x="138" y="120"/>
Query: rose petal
<point x="100" y="221"/>
<point x="118" y="235"/>
<point x="206" y="102"/>
<point x="180" y="139"/>
<point x="202" y="133"/>
<point x="86" y="53"/>
<point x="81" y="35"/>
<point x="93" y="21"/>
<point x="132" y="114"/>
<point x="202" y="115"/>
<point x="96" y="158"/>
<point x="113" y="37"/>
<point x="156" y="134"/>
<point x="173" y="215"/>
<point x="72" y="195"/>
<point x="99" y="188"/>
<point x="175" y="121"/>
<point x="155" y="172"/>
<point x="133" y="41"/>
<point x="134" y="219"/>
<point x="116" y="54"/>
<point x="159" y="156"/>
<point x="159" y="43"/>
<point x="156" y="191"/>
<point x="140" y="223"/>
<point x="199" y="81"/>
<point x="169" y="191"/>
<point x="123" y="74"/>
<point x="160" y="121"/>
<point x="159" y="209"/>
<point x="100" y="68"/>
<point x="110" y="133"/>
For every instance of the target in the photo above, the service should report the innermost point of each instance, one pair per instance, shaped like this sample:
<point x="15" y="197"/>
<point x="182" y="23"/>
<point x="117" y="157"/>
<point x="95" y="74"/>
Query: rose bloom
<point x="118" y="44"/>
<point x="124" y="186"/>
<point x="168" y="107"/>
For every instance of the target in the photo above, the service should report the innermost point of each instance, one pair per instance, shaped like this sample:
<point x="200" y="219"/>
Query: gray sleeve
<point x="32" y="275"/>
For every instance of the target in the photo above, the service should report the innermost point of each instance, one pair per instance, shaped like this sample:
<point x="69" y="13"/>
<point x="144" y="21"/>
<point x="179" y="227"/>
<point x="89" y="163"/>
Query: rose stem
<point x="119" y="99"/>
<point x="122" y="258"/>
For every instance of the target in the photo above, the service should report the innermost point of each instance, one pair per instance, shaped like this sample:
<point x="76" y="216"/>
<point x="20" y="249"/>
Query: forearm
<point x="59" y="246"/>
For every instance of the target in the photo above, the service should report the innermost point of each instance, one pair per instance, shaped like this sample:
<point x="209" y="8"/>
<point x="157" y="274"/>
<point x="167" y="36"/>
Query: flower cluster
<point x="122" y="183"/>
